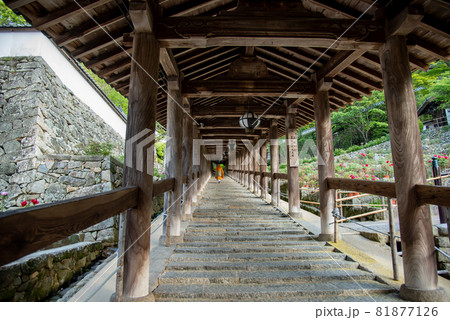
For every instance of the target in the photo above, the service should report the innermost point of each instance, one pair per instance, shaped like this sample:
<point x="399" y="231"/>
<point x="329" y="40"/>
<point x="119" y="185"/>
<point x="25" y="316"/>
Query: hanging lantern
<point x="249" y="121"/>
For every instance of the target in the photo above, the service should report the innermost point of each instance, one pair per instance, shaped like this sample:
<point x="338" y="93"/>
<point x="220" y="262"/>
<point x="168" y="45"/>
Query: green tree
<point x="8" y="17"/>
<point x="433" y="83"/>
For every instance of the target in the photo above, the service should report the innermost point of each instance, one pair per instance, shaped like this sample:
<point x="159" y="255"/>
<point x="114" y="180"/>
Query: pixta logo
<point x="139" y="150"/>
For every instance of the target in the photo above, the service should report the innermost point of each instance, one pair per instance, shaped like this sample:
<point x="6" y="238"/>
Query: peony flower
<point x="387" y="161"/>
<point x="429" y="161"/>
<point x="373" y="179"/>
<point x="4" y="193"/>
<point x="352" y="176"/>
<point x="439" y="157"/>
<point x="34" y="201"/>
<point x="366" y="175"/>
<point x="445" y="157"/>
<point x="23" y="203"/>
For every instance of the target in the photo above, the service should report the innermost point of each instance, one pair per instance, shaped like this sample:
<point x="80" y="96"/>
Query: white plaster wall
<point x="34" y="43"/>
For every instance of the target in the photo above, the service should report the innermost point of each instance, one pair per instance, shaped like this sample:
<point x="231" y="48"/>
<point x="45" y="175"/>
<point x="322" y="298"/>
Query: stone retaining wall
<point x="39" y="275"/>
<point x="442" y="242"/>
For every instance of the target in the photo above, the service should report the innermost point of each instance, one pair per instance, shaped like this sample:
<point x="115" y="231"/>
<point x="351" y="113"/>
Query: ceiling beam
<point x="107" y="56"/>
<point x="233" y="30"/>
<point x="168" y="63"/>
<point x="260" y="87"/>
<point x="66" y="12"/>
<point x="405" y="22"/>
<point x="337" y="63"/>
<point x="114" y="67"/>
<point x="233" y="111"/>
<point x="14" y="4"/>
<point x="98" y="43"/>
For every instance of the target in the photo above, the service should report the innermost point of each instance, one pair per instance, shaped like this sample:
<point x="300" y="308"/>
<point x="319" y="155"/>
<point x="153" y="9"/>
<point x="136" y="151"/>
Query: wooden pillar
<point x="246" y="168"/>
<point x="419" y="259"/>
<point x="263" y="169"/>
<point x="187" y="162"/>
<point x="325" y="159"/>
<point x="274" y="162"/>
<point x="255" y="168"/>
<point x="241" y="167"/>
<point x="173" y="156"/>
<point x="141" y="116"/>
<point x="292" y="162"/>
<point x="251" y="169"/>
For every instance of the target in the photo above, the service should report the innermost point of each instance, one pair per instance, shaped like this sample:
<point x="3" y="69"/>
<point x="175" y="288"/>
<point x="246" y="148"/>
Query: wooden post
<point x="274" y="162"/>
<point x="392" y="241"/>
<point x="263" y="169"/>
<point x="325" y="159"/>
<point x="187" y="162"/>
<point x="141" y="116"/>
<point x="246" y="168"/>
<point x="251" y="176"/>
<point x="173" y="156"/>
<point x="419" y="258"/>
<point x="444" y="212"/>
<point x="292" y="162"/>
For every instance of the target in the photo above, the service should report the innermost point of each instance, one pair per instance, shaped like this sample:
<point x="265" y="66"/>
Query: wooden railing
<point x="425" y="194"/>
<point x="24" y="231"/>
<point x="27" y="230"/>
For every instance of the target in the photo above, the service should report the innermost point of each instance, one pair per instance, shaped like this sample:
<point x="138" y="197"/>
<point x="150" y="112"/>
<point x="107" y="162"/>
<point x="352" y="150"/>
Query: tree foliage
<point x="9" y="18"/>
<point x="433" y="84"/>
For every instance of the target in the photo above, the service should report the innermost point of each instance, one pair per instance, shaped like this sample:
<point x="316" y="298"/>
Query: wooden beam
<point x="338" y="62"/>
<point x="437" y="195"/>
<point x="98" y="43"/>
<point x="107" y="56"/>
<point x="89" y="27"/>
<point x="124" y="63"/>
<point x="142" y="15"/>
<point x="428" y="47"/>
<point x="378" y="188"/>
<point x="337" y="7"/>
<point x="14" y="4"/>
<point x="30" y="229"/>
<point x="235" y="111"/>
<point x="268" y="31"/>
<point x="405" y="22"/>
<point x="66" y="12"/>
<point x="118" y="77"/>
<point x="163" y="186"/>
<point x="190" y="8"/>
<point x="168" y="63"/>
<point x="234" y="87"/>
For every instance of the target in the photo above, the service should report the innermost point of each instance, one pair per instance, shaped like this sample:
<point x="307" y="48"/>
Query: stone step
<point x="313" y="264"/>
<point x="286" y="224"/>
<point x="256" y="256"/>
<point x="270" y="292"/>
<point x="209" y="228"/>
<point x="252" y="244"/>
<point x="385" y="297"/>
<point x="190" y="238"/>
<point x="248" y="249"/>
<point x="262" y="277"/>
<point x="244" y="232"/>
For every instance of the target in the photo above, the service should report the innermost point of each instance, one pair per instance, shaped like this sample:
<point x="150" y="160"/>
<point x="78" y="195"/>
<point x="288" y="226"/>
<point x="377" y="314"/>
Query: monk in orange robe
<point x="219" y="173"/>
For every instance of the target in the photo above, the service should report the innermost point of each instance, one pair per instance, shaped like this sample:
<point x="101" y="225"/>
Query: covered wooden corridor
<point x="198" y="66"/>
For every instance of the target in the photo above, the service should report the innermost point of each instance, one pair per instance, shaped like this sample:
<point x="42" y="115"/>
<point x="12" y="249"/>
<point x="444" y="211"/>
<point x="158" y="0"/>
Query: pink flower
<point x="391" y="165"/>
<point x="23" y="203"/>
<point x="34" y="201"/>
<point x="352" y="176"/>
<point x="341" y="165"/>
<point x="373" y="176"/>
<point x="387" y="161"/>
<point x="439" y="157"/>
<point x="363" y="154"/>
<point x="4" y="193"/>
<point x="445" y="157"/>
<point x="429" y="161"/>
<point x="366" y="175"/>
<point x="373" y="179"/>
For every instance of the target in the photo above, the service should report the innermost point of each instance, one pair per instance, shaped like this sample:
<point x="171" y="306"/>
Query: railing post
<point x="419" y="257"/>
<point x="274" y="162"/>
<point x="392" y="241"/>
<point x="141" y="116"/>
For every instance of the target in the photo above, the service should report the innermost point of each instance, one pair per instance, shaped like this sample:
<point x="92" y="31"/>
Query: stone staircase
<point x="238" y="248"/>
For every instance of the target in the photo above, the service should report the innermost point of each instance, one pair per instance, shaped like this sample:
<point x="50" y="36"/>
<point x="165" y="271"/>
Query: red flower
<point x="439" y="157"/>
<point x="387" y="161"/>
<point x="373" y="179"/>
<point x="34" y="201"/>
<point x="23" y="203"/>
<point x="446" y="157"/>
<point x="367" y="165"/>
<point x="391" y="165"/>
<point x="435" y="156"/>
<point x="352" y="176"/>
<point x="363" y="154"/>
<point x="429" y="161"/>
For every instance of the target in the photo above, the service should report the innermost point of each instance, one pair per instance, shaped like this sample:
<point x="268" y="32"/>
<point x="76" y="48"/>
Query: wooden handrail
<point x="163" y="186"/>
<point x="385" y="189"/>
<point x="266" y="174"/>
<point x="437" y="195"/>
<point x="27" y="230"/>
<point x="278" y="175"/>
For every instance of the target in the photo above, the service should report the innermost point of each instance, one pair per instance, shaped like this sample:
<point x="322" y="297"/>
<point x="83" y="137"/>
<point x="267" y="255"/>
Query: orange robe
<point x="219" y="173"/>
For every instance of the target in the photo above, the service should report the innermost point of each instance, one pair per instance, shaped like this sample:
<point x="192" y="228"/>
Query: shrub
<point x="97" y="148"/>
